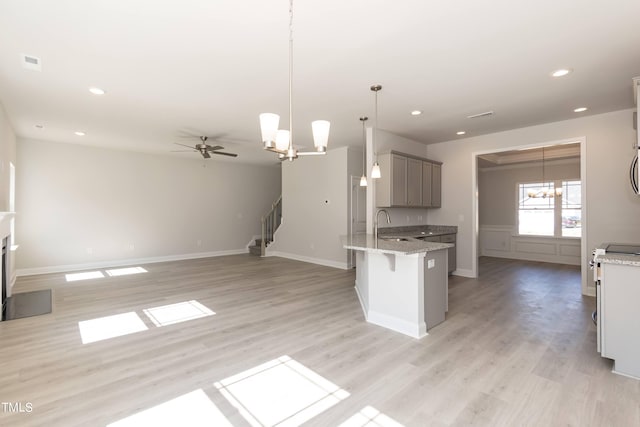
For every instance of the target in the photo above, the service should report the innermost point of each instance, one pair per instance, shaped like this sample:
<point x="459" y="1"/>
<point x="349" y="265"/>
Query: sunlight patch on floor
<point x="281" y="391"/>
<point x="176" y="313"/>
<point x="370" y="417"/>
<point x="114" y="272"/>
<point x="107" y="327"/>
<point x="193" y="409"/>
<point x="73" y="277"/>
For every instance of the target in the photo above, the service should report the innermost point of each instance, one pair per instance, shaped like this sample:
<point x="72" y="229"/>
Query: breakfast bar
<point x="401" y="282"/>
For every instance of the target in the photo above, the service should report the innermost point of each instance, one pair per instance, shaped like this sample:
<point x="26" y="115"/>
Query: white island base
<point x="403" y="292"/>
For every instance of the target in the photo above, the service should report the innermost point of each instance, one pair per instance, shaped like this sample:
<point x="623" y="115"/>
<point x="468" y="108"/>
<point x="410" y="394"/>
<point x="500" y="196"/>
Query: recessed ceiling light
<point x="80" y="133"/>
<point x="561" y="72"/>
<point x="416" y="112"/>
<point x="96" y="91"/>
<point x="580" y="110"/>
<point x="460" y="132"/>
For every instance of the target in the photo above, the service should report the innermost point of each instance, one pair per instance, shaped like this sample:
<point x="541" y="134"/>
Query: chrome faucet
<point x="375" y="224"/>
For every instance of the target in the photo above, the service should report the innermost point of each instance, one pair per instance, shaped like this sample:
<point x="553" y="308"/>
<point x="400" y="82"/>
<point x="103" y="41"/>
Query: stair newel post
<point x="262" y="243"/>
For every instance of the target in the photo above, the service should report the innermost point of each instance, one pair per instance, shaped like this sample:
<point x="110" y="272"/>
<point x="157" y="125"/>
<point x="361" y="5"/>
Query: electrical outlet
<point x="89" y="251"/>
<point x="131" y="246"/>
<point x="199" y="243"/>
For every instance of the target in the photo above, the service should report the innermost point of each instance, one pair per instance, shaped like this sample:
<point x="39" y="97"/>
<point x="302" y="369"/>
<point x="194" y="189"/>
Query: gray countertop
<point x="366" y="242"/>
<point x="418" y="230"/>
<point x="623" y="259"/>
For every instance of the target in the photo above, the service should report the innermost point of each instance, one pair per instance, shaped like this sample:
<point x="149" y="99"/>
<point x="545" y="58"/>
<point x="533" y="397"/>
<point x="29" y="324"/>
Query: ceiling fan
<point x="205" y="149"/>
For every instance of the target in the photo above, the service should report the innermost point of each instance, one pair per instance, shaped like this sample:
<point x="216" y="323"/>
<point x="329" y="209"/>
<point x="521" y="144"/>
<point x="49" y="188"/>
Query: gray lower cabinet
<point x="450" y="238"/>
<point x="446" y="238"/>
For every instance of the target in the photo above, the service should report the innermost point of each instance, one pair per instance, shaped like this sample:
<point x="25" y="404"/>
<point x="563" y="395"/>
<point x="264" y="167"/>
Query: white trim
<point x="123" y="262"/>
<point x="319" y="261"/>
<point x="527" y="165"/>
<point x="464" y="272"/>
<point x="362" y="305"/>
<point x="398" y="325"/>
<point x="582" y="140"/>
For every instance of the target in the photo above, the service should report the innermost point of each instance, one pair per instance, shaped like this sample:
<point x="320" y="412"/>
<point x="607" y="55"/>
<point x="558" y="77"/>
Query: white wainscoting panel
<point x="503" y="242"/>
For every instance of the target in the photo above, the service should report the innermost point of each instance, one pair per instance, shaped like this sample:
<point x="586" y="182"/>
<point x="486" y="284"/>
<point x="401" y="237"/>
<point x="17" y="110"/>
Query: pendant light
<point x="375" y="171"/>
<point x="544" y="193"/>
<point x="363" y="178"/>
<point x="281" y="142"/>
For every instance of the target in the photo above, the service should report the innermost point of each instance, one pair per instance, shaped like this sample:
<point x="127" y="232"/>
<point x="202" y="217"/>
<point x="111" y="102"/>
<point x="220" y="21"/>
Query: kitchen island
<point x="402" y="282"/>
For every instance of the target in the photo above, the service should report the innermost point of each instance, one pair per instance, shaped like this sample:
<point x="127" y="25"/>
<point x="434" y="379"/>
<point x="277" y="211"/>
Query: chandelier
<point x="544" y="192"/>
<point x="281" y="141"/>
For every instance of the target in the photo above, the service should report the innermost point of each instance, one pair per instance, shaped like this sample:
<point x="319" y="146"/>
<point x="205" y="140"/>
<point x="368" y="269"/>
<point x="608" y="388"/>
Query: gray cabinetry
<point x="450" y="238"/>
<point x="427" y="168"/>
<point x="398" y="175"/>
<point x="408" y="181"/>
<point x="436" y="186"/>
<point x="414" y="182"/>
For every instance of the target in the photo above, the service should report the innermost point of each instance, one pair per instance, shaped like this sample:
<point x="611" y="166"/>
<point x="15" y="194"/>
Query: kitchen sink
<point x="394" y="239"/>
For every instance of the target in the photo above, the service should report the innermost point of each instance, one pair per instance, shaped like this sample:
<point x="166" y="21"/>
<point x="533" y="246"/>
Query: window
<point x="550" y="216"/>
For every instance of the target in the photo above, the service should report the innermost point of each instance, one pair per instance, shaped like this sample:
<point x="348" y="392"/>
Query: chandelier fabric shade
<point x="276" y="140"/>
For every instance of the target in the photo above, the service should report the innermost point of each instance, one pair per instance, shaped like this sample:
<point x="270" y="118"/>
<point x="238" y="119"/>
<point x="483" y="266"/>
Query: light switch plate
<point x="431" y="263"/>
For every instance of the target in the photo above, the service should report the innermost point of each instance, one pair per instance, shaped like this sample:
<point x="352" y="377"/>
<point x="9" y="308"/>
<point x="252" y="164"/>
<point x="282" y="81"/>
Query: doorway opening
<point x="530" y="204"/>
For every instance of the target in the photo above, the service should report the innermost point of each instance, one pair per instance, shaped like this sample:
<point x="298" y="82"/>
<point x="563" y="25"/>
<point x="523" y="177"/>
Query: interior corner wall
<point x="7" y="156"/>
<point x="315" y="208"/>
<point x="80" y="207"/>
<point x="612" y="209"/>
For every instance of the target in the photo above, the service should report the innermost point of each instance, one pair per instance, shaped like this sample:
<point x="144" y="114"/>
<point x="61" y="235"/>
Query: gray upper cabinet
<point x="436" y="185"/>
<point x="398" y="176"/>
<point x="427" y="170"/>
<point x="407" y="181"/>
<point x="414" y="182"/>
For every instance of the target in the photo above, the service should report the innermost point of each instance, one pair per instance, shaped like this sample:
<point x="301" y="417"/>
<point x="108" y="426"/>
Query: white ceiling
<point x="210" y="67"/>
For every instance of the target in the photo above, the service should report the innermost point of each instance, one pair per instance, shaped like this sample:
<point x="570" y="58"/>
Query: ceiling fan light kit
<point x="280" y="142"/>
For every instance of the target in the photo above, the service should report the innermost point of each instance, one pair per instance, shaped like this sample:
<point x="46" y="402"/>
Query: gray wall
<point x="81" y="206"/>
<point x="315" y="207"/>
<point x="613" y="210"/>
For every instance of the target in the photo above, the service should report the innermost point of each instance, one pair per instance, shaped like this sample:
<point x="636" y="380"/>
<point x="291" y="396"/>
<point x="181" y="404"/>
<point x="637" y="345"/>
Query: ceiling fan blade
<point x="205" y="154"/>
<point x="181" y="151"/>
<point x="188" y="146"/>
<point x="225" y="154"/>
<point x="214" y="148"/>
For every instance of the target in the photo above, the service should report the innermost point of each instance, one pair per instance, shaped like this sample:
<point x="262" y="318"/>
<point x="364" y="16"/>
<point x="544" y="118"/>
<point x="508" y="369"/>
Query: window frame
<point x="557" y="209"/>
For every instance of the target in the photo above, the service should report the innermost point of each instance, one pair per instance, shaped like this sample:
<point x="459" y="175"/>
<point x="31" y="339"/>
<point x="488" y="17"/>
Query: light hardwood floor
<point x="517" y="348"/>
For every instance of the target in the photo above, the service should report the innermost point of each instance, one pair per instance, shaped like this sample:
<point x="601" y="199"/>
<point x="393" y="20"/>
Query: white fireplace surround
<point x="5" y="230"/>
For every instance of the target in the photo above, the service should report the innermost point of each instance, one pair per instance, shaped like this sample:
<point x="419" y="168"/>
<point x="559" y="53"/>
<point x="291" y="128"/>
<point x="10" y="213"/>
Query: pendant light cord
<point x="290" y="74"/>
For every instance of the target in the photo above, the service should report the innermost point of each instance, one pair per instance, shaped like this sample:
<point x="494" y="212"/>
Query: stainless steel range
<point x="617" y="275"/>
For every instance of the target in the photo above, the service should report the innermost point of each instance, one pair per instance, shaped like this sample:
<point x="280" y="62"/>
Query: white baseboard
<point x="123" y="262"/>
<point x="398" y="325"/>
<point x="463" y="272"/>
<point x="319" y="261"/>
<point x="364" y="307"/>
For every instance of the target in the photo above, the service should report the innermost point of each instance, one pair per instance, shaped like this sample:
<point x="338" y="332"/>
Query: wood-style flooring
<point x="518" y="347"/>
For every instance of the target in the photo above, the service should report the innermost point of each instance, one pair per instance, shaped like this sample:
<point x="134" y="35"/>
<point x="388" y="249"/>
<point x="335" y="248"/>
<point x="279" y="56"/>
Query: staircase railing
<point x="270" y="223"/>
